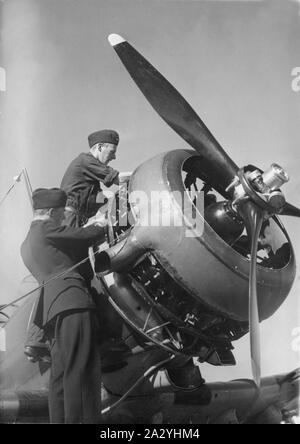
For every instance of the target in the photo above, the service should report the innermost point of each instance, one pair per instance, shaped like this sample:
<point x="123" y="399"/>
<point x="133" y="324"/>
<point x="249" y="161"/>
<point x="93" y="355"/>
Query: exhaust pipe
<point x="121" y="256"/>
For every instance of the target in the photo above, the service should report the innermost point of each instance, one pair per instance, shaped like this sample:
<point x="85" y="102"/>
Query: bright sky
<point x="232" y="60"/>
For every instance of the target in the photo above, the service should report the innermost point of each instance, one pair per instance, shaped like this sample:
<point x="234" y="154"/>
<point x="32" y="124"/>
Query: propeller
<point x="255" y="197"/>
<point x="217" y="166"/>
<point x="253" y="217"/>
<point x="290" y="210"/>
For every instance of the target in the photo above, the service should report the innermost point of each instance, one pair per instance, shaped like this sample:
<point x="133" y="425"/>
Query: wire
<point x="53" y="278"/>
<point x="147" y="373"/>
<point x="3" y="314"/>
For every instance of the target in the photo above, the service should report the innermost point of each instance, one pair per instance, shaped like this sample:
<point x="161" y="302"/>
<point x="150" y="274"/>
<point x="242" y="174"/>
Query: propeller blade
<point x="253" y="218"/>
<point x="216" y="165"/>
<point x="290" y="210"/>
<point x="253" y="308"/>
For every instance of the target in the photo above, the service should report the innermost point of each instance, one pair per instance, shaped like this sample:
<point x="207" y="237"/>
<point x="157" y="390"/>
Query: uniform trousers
<point x="75" y="379"/>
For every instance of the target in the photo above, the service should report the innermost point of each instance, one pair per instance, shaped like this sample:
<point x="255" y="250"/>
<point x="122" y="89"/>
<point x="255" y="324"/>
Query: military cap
<point x="103" y="136"/>
<point x="48" y="198"/>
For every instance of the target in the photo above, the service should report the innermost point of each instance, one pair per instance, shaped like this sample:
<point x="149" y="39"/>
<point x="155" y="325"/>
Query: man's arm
<point x="69" y="235"/>
<point x="95" y="170"/>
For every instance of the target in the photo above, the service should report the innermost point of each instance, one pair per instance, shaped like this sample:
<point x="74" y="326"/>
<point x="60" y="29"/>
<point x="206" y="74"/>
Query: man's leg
<point x="77" y="344"/>
<point x="35" y="347"/>
<point x="56" y="392"/>
<point x="35" y="336"/>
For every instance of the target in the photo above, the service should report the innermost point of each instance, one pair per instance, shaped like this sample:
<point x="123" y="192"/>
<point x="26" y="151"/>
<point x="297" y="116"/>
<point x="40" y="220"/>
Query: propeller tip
<point x="115" y="39"/>
<point x="256" y="372"/>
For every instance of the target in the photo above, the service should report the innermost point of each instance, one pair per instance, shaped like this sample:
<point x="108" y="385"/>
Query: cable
<point x="53" y="278"/>
<point x="147" y="373"/>
<point x="3" y="314"/>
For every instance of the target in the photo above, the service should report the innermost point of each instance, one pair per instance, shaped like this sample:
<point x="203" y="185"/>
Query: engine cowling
<point x="202" y="263"/>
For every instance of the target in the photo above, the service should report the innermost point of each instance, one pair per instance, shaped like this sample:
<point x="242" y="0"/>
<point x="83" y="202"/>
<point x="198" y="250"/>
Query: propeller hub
<point x="260" y="187"/>
<point x="277" y="200"/>
<point x="275" y="177"/>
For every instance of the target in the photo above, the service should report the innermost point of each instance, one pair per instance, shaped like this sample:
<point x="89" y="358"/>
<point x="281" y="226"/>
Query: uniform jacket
<point x="50" y="249"/>
<point x="81" y="182"/>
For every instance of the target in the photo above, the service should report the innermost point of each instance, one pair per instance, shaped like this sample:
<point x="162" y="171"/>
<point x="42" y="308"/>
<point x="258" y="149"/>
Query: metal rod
<point x="177" y="344"/>
<point x="28" y="186"/>
<point x="147" y="319"/>
<point x="28" y="180"/>
<point x="158" y="326"/>
<point x="16" y="179"/>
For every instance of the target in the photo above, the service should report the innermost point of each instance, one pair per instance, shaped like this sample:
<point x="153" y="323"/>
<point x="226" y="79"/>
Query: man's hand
<point x="101" y="221"/>
<point x="124" y="176"/>
<point x="190" y="180"/>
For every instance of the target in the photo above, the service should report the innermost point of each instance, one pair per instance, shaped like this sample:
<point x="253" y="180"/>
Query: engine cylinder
<point x="224" y="221"/>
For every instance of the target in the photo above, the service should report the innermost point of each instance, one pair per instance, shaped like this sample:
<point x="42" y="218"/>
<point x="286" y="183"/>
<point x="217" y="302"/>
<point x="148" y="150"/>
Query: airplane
<point x="182" y="280"/>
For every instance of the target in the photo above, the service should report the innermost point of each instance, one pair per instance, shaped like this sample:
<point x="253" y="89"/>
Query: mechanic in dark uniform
<point x="65" y="309"/>
<point x="82" y="178"/>
<point x="81" y="182"/>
